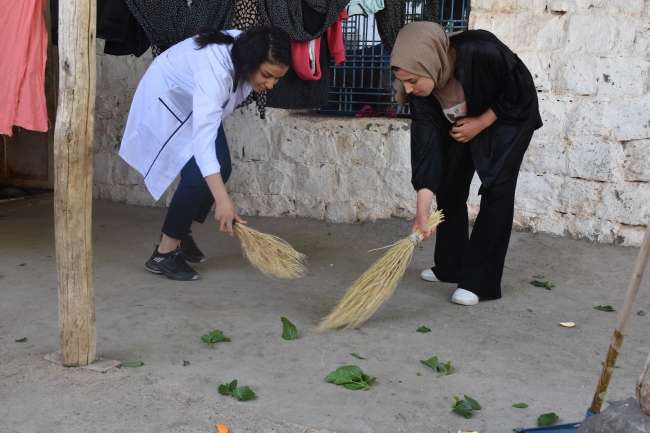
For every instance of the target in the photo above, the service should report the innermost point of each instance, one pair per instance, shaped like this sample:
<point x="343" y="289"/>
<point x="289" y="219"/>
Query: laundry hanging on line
<point x="306" y="61"/>
<point x="303" y="20"/>
<point x="23" y="53"/>
<point x="365" y="7"/>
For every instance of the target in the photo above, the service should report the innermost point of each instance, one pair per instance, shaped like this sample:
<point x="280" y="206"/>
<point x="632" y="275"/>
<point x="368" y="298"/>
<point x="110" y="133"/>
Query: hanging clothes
<point x="177" y="110"/>
<point x="23" y="53"/>
<point x="247" y="15"/>
<point x="335" y="38"/>
<point x="306" y="62"/>
<point x="115" y="24"/>
<point x="392" y="18"/>
<point x="168" y="22"/>
<point x="296" y="17"/>
<point x="365" y="7"/>
<point x="390" y="21"/>
<point x="119" y="28"/>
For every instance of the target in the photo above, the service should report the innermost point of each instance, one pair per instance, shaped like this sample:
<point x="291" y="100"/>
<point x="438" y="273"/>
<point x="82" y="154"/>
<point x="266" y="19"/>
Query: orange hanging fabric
<point x="23" y="53"/>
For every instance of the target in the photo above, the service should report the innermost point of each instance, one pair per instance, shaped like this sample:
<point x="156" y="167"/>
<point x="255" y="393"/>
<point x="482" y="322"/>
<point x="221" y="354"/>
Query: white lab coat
<point x="177" y="110"/>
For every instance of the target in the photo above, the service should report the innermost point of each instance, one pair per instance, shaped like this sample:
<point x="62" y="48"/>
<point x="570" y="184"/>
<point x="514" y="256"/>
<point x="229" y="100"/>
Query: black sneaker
<point x="172" y="265"/>
<point x="190" y="251"/>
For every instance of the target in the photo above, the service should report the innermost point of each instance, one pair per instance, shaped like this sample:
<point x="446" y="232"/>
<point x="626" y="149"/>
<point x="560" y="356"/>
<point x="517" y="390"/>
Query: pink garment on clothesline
<point x="336" y="45"/>
<point x="23" y="53"/>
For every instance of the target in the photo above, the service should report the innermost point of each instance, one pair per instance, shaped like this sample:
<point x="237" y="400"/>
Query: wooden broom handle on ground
<point x="623" y="319"/>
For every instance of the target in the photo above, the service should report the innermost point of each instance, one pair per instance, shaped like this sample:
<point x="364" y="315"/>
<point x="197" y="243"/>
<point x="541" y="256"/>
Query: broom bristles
<point x="377" y="284"/>
<point x="270" y="254"/>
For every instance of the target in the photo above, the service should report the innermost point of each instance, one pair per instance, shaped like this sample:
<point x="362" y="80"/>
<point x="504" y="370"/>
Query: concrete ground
<point x="502" y="352"/>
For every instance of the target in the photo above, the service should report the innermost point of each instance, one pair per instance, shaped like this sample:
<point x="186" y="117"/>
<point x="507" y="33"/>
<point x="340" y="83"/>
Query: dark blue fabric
<point x="193" y="200"/>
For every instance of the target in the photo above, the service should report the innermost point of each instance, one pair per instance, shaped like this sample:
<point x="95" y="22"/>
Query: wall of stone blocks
<point x="586" y="173"/>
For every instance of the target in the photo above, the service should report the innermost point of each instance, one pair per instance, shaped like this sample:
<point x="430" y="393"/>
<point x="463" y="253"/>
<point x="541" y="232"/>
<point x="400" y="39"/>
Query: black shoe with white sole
<point x="172" y="265"/>
<point x="190" y="251"/>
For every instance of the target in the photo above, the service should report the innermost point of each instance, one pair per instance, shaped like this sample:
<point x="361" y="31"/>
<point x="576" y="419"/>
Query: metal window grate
<point x="366" y="78"/>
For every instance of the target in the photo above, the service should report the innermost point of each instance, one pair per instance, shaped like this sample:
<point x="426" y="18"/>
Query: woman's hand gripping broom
<point x="377" y="284"/>
<point x="270" y="254"/>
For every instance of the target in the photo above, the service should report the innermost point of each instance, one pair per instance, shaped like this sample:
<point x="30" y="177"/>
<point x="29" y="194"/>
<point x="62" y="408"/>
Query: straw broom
<point x="270" y="254"/>
<point x="377" y="284"/>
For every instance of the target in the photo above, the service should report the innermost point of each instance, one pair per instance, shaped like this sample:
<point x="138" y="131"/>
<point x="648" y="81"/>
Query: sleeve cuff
<point x="210" y="168"/>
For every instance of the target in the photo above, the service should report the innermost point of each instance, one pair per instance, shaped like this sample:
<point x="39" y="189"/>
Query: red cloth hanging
<point x="300" y="51"/>
<point x="23" y="53"/>
<point x="335" y="38"/>
<point x="301" y="62"/>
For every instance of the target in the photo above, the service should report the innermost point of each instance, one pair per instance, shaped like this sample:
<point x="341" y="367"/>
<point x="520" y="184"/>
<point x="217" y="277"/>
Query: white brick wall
<point x="586" y="173"/>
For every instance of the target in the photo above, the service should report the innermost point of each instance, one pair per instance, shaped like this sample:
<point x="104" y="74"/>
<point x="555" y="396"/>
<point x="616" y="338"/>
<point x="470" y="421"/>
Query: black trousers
<point x="193" y="200"/>
<point x="474" y="262"/>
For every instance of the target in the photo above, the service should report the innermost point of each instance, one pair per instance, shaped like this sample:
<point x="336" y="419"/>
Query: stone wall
<point x="587" y="171"/>
<point x="586" y="174"/>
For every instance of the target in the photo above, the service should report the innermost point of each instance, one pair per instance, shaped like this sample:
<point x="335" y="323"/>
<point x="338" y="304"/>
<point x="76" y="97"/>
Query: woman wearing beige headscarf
<point x="474" y="109"/>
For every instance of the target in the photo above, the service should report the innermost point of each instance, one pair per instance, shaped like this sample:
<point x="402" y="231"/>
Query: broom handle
<point x="623" y="319"/>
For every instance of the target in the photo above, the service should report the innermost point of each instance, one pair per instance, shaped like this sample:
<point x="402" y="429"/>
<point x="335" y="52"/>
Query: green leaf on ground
<point x="213" y="337"/>
<point x="133" y="364"/>
<point x="605" y="308"/>
<point x="21" y="340"/>
<point x="447" y="367"/>
<point x="603" y="364"/>
<point x="417" y="373"/>
<point x="356" y="355"/>
<point x="186" y="363"/>
<point x="289" y="330"/>
<point x="538" y="277"/>
<point x="22" y="264"/>
<point x="472" y="403"/>
<point x="423" y="329"/>
<point x="547" y="419"/>
<point x="241" y="393"/>
<point x="530" y="311"/>
<point x="462" y="407"/>
<point x="641" y="313"/>
<point x="431" y="362"/>
<point x="545" y="284"/>
<point x="520" y="405"/>
<point x="350" y="377"/>
<point x="517" y="429"/>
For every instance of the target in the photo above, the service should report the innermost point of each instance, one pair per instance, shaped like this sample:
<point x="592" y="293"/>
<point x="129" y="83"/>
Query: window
<point x="366" y="79"/>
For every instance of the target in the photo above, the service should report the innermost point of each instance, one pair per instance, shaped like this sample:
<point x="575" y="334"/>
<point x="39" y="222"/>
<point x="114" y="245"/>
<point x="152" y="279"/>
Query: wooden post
<point x="643" y="388"/>
<point x="621" y="326"/>
<point x="73" y="167"/>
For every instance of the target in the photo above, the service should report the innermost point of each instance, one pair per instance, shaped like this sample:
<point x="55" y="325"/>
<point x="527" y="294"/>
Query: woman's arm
<point x="425" y="198"/>
<point x="225" y="211"/>
<point x="467" y="128"/>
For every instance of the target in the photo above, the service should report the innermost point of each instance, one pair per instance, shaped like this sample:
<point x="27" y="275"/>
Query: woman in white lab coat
<point x="175" y="126"/>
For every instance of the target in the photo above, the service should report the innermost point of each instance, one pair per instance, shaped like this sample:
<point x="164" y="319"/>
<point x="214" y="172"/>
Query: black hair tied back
<point x="250" y="49"/>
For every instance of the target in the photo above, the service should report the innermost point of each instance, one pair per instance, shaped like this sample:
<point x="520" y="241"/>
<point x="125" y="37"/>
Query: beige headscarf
<point x="422" y="49"/>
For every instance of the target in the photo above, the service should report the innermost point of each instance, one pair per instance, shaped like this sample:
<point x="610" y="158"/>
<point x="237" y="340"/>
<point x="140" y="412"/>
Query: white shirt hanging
<point x="176" y="112"/>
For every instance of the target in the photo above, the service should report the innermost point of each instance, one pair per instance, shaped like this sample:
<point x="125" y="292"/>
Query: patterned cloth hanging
<point x="168" y="22"/>
<point x="392" y="18"/>
<point x="247" y="15"/>
<point x="303" y="20"/>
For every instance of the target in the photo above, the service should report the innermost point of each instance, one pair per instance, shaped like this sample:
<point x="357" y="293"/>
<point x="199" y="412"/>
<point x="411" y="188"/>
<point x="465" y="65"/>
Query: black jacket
<point x="492" y="76"/>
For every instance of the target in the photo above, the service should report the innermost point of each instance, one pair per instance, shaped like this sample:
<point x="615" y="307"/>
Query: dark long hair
<point x="250" y="49"/>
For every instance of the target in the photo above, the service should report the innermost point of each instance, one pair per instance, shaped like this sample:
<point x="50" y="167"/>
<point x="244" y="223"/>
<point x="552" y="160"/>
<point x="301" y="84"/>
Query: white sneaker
<point x="428" y="275"/>
<point x="464" y="297"/>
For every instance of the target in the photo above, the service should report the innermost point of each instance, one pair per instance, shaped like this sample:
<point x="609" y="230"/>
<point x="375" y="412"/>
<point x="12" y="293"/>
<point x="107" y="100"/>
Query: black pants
<point x="193" y="200"/>
<point x="474" y="262"/>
